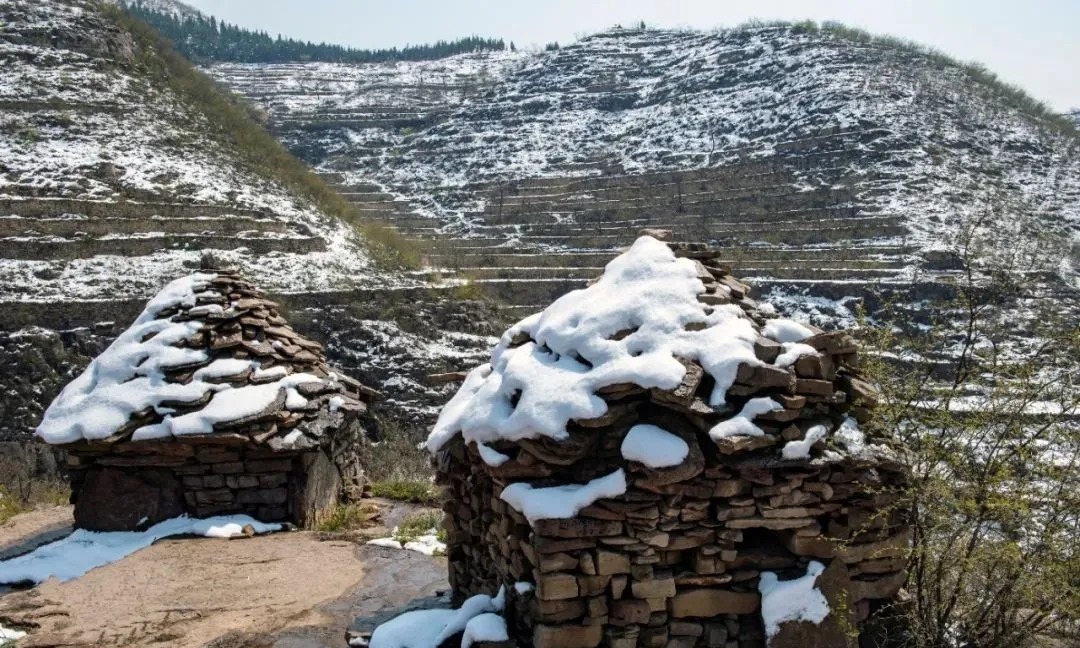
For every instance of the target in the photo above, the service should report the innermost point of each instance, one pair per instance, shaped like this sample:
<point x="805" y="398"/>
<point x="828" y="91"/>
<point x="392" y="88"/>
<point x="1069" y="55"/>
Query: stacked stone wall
<point x="119" y="489"/>
<point x="677" y="560"/>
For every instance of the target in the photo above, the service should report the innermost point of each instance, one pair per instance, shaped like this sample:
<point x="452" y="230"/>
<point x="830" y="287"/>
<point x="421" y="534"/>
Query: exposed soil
<point x="286" y="590"/>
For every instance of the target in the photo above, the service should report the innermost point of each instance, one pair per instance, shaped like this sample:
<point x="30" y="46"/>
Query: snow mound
<point x="800" y="448"/>
<point x="786" y="331"/>
<point x="563" y="501"/>
<point x="84" y="550"/>
<point x="631" y="326"/>
<point x="484" y="627"/>
<point x="429" y="628"/>
<point x="793" y="600"/>
<point x="654" y="447"/>
<point x="8" y="635"/>
<point x="742" y="424"/>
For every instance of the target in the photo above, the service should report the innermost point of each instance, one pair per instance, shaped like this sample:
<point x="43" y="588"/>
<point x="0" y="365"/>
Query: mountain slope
<point x="121" y="166"/>
<point x="118" y="170"/>
<point x="778" y="142"/>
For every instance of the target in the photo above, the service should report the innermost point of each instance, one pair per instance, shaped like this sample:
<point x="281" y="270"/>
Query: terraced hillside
<point x="120" y="166"/>
<point x="819" y="160"/>
<point x="113" y="180"/>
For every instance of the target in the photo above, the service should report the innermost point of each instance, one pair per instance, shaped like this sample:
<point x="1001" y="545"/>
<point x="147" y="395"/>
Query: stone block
<point x="577" y="528"/>
<point x="555" y="587"/>
<point x="567" y="636"/>
<point x="557" y="562"/>
<point x="228" y="468"/>
<point x="273" y="480"/>
<point x="560" y="611"/>
<point x="660" y="586"/>
<point x="711" y="602"/>
<point x="629" y="612"/>
<point x="262" y="496"/>
<point x="268" y="465"/>
<point x="242" y="481"/>
<point x="610" y="562"/>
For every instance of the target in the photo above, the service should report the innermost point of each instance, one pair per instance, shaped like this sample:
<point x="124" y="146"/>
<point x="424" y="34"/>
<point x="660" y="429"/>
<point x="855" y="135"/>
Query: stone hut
<point x="657" y="460"/>
<point x="210" y="403"/>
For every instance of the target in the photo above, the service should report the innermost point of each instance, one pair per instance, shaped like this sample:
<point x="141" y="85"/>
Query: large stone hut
<point x="210" y="403"/>
<point x="655" y="460"/>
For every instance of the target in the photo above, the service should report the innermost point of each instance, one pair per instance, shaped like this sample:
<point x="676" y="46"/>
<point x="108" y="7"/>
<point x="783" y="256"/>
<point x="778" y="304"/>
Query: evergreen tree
<point x="207" y="40"/>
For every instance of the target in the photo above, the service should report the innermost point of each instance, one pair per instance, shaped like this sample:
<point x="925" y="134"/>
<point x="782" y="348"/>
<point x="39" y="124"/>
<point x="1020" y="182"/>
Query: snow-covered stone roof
<point x="209" y="356"/>
<point x="659" y="322"/>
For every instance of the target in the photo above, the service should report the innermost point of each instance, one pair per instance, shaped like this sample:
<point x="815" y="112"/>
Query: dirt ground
<point x="285" y="590"/>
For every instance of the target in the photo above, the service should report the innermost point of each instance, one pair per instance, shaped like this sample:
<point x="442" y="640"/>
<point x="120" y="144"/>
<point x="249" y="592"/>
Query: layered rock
<point x="209" y="403"/>
<point x="655" y="519"/>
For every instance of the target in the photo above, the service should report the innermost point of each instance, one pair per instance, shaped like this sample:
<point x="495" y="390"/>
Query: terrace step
<point x="51" y="207"/>
<point x="535" y="272"/>
<point x="35" y="248"/>
<point x="19" y="226"/>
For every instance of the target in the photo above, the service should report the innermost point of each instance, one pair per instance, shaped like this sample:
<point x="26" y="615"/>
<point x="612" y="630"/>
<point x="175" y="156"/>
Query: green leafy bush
<point x="990" y="429"/>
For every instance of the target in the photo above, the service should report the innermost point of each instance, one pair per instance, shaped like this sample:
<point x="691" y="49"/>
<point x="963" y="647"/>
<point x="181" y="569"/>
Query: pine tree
<point x="206" y="40"/>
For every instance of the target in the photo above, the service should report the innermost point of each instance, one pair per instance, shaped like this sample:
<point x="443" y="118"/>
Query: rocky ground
<point x="218" y="593"/>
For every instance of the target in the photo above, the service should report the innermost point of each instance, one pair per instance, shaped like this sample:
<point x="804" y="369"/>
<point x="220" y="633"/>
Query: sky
<point x="1034" y="43"/>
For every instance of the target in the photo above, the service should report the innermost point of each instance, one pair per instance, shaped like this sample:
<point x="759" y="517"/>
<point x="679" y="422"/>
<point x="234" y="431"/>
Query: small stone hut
<point x="657" y="460"/>
<point x="210" y="403"/>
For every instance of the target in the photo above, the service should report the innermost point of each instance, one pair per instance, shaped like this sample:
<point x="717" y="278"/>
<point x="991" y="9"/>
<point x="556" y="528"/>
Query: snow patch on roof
<point x="786" y="330"/>
<point x="742" y="424"/>
<point x="129" y="377"/>
<point x="653" y="446"/>
<point x="484" y="627"/>
<point x="563" y="501"/>
<point x="631" y="326"/>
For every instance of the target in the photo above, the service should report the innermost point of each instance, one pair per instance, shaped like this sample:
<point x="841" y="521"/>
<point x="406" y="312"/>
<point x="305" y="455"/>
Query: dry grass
<point x="417" y="492"/>
<point x="352" y="517"/>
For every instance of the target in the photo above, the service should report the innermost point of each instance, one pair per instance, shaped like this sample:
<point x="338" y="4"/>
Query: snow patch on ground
<point x="427" y="544"/>
<point x="84" y="550"/>
<point x="429" y="628"/>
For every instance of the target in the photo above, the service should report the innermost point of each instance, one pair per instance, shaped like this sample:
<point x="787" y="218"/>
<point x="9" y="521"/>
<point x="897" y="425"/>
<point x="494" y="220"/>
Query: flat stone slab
<point x="287" y="590"/>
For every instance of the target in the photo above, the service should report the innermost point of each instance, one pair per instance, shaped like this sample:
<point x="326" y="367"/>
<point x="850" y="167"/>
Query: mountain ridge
<point x="909" y="136"/>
